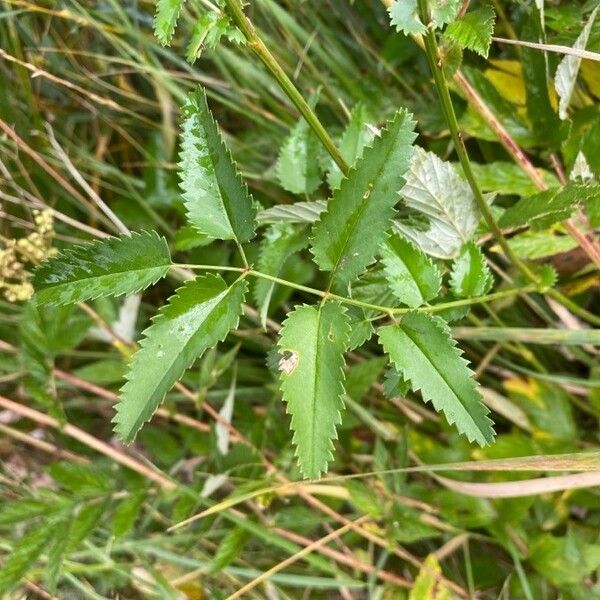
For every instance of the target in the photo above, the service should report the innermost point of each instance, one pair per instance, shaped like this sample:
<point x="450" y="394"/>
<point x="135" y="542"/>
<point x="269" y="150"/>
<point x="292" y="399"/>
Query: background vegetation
<point x="90" y="111"/>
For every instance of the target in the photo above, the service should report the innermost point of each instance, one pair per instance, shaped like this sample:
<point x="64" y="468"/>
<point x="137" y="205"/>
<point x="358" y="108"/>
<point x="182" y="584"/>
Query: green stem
<point x="258" y="47"/>
<point x="431" y="50"/>
<point x="386" y="310"/>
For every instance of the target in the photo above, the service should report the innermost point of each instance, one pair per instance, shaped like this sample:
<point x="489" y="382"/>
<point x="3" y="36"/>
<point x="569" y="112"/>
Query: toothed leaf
<point x="311" y="349"/>
<point x="298" y="166"/>
<point x="411" y="275"/>
<point x="359" y="214"/>
<point x="109" y="267"/>
<point x="470" y="274"/>
<point x="542" y="210"/>
<point x="474" y="30"/>
<point x="435" y="190"/>
<point x="198" y="316"/>
<point x="24" y="554"/>
<point x="352" y="143"/>
<point x="216" y="198"/>
<point x="423" y="352"/>
<point x="165" y="19"/>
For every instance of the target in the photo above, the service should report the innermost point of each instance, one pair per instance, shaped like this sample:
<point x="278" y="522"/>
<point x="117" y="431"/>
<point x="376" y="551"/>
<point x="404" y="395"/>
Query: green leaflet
<point x="165" y="19"/>
<point x="355" y="137"/>
<point x="216" y="198"/>
<point x="24" y="554"/>
<point x="425" y="354"/>
<point x="550" y="206"/>
<point x="200" y="314"/>
<point x="404" y="14"/>
<point x="474" y="30"/>
<point x="299" y="212"/>
<point x="470" y="274"/>
<point x="435" y="190"/>
<point x="110" y="267"/>
<point x="311" y="347"/>
<point x="298" y="166"/>
<point x="356" y="220"/>
<point x="411" y="275"/>
<point x="279" y="243"/>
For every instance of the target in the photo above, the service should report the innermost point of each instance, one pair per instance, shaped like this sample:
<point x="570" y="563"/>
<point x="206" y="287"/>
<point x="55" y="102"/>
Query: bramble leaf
<point x="359" y="214"/>
<point x="198" y="316"/>
<point x="424" y="353"/>
<point x="550" y="206"/>
<point x="411" y="275"/>
<point x="434" y="189"/>
<point x="568" y="69"/>
<point x="470" y="274"/>
<point x="216" y="198"/>
<point x="165" y="19"/>
<point x="356" y="136"/>
<point x="474" y="30"/>
<point x="110" y="267"/>
<point x="311" y="349"/>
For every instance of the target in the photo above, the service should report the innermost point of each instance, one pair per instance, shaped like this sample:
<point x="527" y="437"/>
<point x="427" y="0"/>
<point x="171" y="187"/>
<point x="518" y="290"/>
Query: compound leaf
<point x="474" y="30"/>
<point x="411" y="275"/>
<point x="424" y="353"/>
<point x="470" y="274"/>
<point x="216" y="198"/>
<point x="110" y="267"/>
<point x="358" y="216"/>
<point x="311" y="348"/>
<point x="199" y="315"/>
<point x="435" y="190"/>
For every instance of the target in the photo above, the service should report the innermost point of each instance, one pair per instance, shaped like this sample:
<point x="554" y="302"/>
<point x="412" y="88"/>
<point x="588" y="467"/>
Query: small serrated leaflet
<point x="470" y="275"/>
<point x="474" y="30"/>
<point x="356" y="136"/>
<point x="411" y="275"/>
<point x="165" y="19"/>
<point x="311" y="348"/>
<point x="199" y="315"/>
<point x="111" y="267"/>
<point x="298" y="166"/>
<point x="422" y="350"/>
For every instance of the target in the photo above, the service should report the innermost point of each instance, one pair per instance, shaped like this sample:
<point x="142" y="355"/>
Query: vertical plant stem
<point x="441" y="84"/>
<point x="246" y="26"/>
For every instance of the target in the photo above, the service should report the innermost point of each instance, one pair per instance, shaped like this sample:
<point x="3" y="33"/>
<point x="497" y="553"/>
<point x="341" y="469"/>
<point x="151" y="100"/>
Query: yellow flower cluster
<point x="33" y="249"/>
